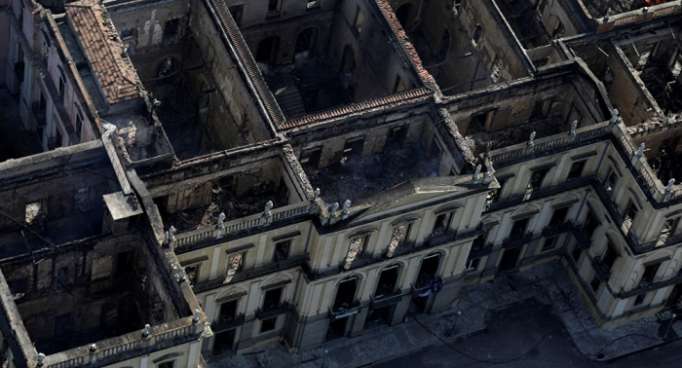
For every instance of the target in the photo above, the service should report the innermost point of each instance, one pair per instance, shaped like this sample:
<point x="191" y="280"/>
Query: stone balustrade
<point x="127" y="346"/>
<point x="208" y="233"/>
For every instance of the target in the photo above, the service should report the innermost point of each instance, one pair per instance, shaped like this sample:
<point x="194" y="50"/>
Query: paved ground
<point x="550" y="284"/>
<point x="526" y="336"/>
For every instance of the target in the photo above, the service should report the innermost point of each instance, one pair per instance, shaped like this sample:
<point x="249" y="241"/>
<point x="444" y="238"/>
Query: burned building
<point x="185" y="179"/>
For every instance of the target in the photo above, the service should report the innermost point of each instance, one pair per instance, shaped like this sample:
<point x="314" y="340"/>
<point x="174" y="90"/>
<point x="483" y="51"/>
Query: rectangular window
<point x="228" y="311"/>
<point x="650" y="272"/>
<point x="550" y="243"/>
<point x="610" y="256"/>
<point x="577" y="169"/>
<point x="668" y="230"/>
<point x="442" y="223"/>
<point x="639" y="299"/>
<point x="192" y="272"/>
<point x="473" y="263"/>
<point x="396" y="136"/>
<point x="345" y="293"/>
<point x="629" y="217"/>
<point x="310" y="158"/>
<point x="631" y="211"/>
<point x="537" y="177"/>
<point x="101" y="268"/>
<point x="495" y="195"/>
<point x="282" y="250"/>
<point x="519" y="228"/>
<point x="591" y="224"/>
<point x="478" y="243"/>
<point x="353" y="148"/>
<point x="171" y="30"/>
<point x="388" y="281"/>
<point x="428" y="271"/>
<point x="268" y="325"/>
<point x="273" y="298"/>
<point x="559" y="216"/>
<point x="479" y="122"/>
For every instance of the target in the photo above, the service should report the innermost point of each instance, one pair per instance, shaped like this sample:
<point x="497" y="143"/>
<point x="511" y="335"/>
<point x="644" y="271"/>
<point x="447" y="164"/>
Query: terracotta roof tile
<point x="398" y="99"/>
<point x="101" y="44"/>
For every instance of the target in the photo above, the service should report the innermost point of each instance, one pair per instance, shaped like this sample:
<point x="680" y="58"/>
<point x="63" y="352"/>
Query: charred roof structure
<point x="185" y="179"/>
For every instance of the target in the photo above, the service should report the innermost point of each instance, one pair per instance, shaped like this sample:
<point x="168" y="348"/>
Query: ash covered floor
<point x="360" y="177"/>
<point x="600" y="8"/>
<point x="234" y="206"/>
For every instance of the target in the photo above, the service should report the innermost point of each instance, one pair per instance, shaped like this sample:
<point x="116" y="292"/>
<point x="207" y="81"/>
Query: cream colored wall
<point x="185" y="356"/>
<point x="213" y="260"/>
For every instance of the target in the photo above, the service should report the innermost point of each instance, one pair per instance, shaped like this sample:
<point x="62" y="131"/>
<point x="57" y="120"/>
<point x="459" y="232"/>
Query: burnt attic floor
<point x="517" y="134"/>
<point x="15" y="142"/>
<point x="599" y="8"/>
<point x="23" y="238"/>
<point x="305" y="87"/>
<point x="225" y="200"/>
<point x="664" y="85"/>
<point x="359" y="178"/>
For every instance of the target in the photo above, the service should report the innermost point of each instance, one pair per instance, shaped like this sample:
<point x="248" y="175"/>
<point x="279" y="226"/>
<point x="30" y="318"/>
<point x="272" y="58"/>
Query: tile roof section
<point x="410" y="96"/>
<point x="404" y="41"/>
<point x="100" y="42"/>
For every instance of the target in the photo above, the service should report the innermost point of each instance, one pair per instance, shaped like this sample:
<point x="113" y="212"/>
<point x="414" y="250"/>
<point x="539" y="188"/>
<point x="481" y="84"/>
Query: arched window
<point x="429" y="270"/>
<point x="388" y="281"/>
<point x="345" y="293"/>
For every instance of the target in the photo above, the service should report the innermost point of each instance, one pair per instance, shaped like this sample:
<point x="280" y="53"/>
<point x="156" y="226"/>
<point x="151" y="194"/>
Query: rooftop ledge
<point x="659" y="193"/>
<point x="643" y="14"/>
<point x="329" y="213"/>
<point x="130" y="345"/>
